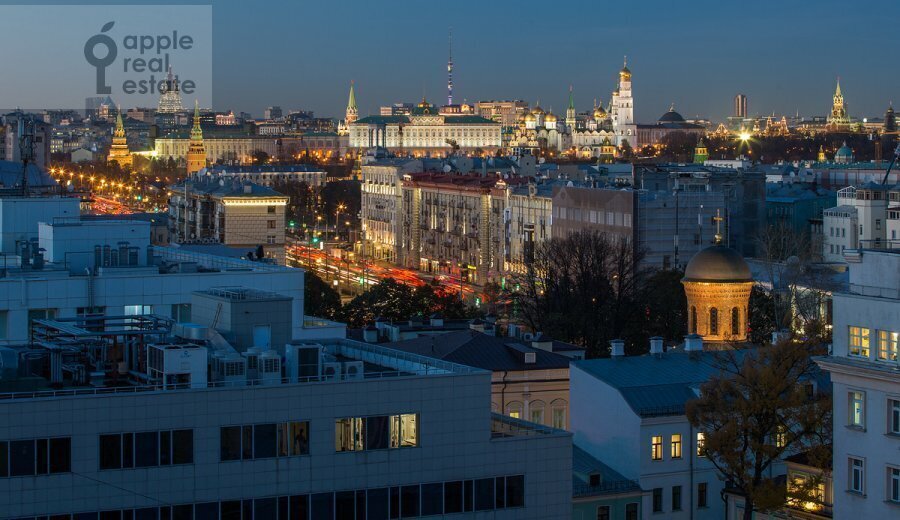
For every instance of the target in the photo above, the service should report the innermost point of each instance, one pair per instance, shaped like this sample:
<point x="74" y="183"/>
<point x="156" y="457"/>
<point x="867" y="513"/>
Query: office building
<point x="864" y="367"/>
<point x="861" y="220"/>
<point x="230" y="212"/>
<point x="270" y="175"/>
<point x="740" y="106"/>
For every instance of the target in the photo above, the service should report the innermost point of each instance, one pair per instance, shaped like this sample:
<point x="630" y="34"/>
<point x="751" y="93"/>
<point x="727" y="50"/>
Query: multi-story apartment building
<point x="269" y="175"/>
<point x="507" y="113"/>
<point x="452" y="224"/>
<point x="381" y="202"/>
<point x="864" y="366"/>
<point x="335" y="429"/>
<point x="641" y="430"/>
<point x="528" y="220"/>
<point x="228" y="211"/>
<point x="860" y="219"/>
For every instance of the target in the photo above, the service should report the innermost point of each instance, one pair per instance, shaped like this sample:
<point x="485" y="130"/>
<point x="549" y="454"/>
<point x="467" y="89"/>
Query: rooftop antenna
<point x="450" y="67"/>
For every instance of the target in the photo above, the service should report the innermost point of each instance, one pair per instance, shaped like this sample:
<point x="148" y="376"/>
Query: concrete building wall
<point x="19" y="217"/>
<point x="72" y="243"/>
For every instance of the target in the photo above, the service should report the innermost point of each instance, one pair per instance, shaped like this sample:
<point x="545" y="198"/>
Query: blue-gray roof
<point x="611" y="481"/>
<point x="657" y="385"/>
<point x="287" y="168"/>
<point x="11" y="175"/>
<point x="479" y="350"/>
<point x="227" y="188"/>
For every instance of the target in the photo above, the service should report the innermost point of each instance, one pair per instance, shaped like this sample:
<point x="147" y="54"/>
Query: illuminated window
<point x="887" y="345"/>
<point x="404" y="430"/>
<point x="780" y="437"/>
<point x="676" y="446"/>
<point x="349" y="434"/>
<point x="656" y="447"/>
<point x="859" y="341"/>
<point x="701" y="444"/>
<point x="857" y="409"/>
<point x="804" y="492"/>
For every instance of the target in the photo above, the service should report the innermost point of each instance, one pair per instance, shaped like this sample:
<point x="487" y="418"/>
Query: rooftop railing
<point x="504" y="426"/>
<point x="585" y="489"/>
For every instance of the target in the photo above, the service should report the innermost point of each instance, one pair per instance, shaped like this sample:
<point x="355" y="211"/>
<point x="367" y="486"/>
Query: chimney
<point x="617" y="348"/>
<point x="656" y="345"/>
<point x="693" y="343"/>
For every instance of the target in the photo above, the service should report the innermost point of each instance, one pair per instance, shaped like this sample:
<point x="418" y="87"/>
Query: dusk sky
<point x="785" y="55"/>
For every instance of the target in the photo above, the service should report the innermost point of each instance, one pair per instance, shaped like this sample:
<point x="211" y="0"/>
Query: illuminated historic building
<point x="196" y="155"/>
<point x="838" y="120"/>
<point x="118" y="151"/>
<point x="701" y="154"/>
<point x="622" y="110"/>
<point x="170" y="99"/>
<point x="717" y="282"/>
<point x="426" y="131"/>
<point x="351" y="115"/>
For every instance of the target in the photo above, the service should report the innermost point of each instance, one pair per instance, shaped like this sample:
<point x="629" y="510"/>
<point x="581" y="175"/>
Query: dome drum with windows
<point x="717" y="282"/>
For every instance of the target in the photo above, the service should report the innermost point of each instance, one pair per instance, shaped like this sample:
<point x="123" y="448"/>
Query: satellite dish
<point x="447" y="168"/>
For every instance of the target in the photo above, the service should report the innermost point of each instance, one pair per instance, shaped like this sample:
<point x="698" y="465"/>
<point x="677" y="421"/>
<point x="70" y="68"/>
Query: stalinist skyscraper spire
<point x="450" y="70"/>
<point x="196" y="156"/>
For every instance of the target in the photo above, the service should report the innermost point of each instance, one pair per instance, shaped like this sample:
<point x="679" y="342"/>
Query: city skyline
<point x="531" y="54"/>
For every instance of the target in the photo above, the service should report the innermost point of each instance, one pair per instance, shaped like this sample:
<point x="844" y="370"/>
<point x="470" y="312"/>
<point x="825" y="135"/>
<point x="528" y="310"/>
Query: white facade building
<point x="382" y="192"/>
<point x="865" y="373"/>
<point x="628" y="412"/>
<point x="859" y="220"/>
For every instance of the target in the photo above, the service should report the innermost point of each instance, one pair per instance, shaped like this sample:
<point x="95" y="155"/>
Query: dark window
<point x="299" y="507"/>
<point x="657" y="500"/>
<point x="182" y="512"/>
<point x="150" y="513"/>
<point x="631" y="511"/>
<point x="693" y="320"/>
<point x="735" y="321"/>
<point x="165" y="448"/>
<point x="265" y="509"/>
<point x="61" y="455"/>
<point x="43" y="457"/>
<point x="603" y="513"/>
<point x="247" y="442"/>
<point x="110" y="451"/>
<point x="230" y="443"/>
<point x="484" y="494"/>
<point x="453" y="497"/>
<point x="515" y="491"/>
<point x="264" y="441"/>
<point x="395" y="502"/>
<point x="183" y="447"/>
<point x="377" y="433"/>
<point x="323" y="505"/>
<point x="377" y="504"/>
<point x="93" y="516"/>
<point x="713" y="321"/>
<point x="4" y="459"/>
<point x="409" y="501"/>
<point x="360" y="503"/>
<point x="468" y="496"/>
<point x="432" y="499"/>
<point x="21" y="458"/>
<point x="110" y="515"/>
<point x="231" y="510"/>
<point x="344" y="505"/>
<point x="146" y="449"/>
<point x="207" y="511"/>
<point x="676" y="498"/>
<point x="283" y="511"/>
<point x="701" y="494"/>
<point x="500" y="483"/>
<point x="128" y="450"/>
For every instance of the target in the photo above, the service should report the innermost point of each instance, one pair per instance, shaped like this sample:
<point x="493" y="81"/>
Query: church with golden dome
<point x="717" y="282"/>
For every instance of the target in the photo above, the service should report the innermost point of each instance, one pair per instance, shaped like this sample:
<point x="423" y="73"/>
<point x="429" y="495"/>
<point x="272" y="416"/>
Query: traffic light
<point x="315" y="240"/>
<point x="292" y="224"/>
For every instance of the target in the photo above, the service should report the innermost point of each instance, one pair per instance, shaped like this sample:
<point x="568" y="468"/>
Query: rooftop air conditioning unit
<point x="530" y="358"/>
<point x="331" y="371"/>
<point x="354" y="370"/>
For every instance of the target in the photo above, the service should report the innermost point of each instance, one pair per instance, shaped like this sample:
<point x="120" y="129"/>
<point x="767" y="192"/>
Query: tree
<point x="626" y="150"/>
<point x="666" y="305"/>
<point x="582" y="289"/>
<point x="319" y="298"/>
<point x="762" y="316"/>
<point x="399" y="302"/>
<point x="259" y="157"/>
<point x="761" y="407"/>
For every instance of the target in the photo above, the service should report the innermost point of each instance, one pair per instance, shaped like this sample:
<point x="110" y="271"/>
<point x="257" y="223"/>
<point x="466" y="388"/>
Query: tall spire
<point x="837" y="90"/>
<point x="120" y="126"/>
<point x="351" y="103"/>
<point x="450" y="67"/>
<point x="196" y="156"/>
<point x="352" y="113"/>
<point x="571" y="99"/>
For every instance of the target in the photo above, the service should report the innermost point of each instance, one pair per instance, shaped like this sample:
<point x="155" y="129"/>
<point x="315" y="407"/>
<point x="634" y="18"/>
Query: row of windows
<point x="675" y="445"/>
<point x="264" y="441"/>
<point x="31" y="457"/>
<point x="837" y="232"/>
<point x="702" y="498"/>
<point x="379" y="432"/>
<point x="605" y="512"/>
<point x="418" y="500"/>
<point x="856" y="412"/>
<point x="860" y="342"/>
<point x="856" y="479"/>
<point x="146" y="449"/>
<point x="714" y="321"/>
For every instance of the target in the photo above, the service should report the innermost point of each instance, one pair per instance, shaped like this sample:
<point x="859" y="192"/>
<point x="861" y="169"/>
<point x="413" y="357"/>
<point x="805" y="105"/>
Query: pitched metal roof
<point x="479" y="350"/>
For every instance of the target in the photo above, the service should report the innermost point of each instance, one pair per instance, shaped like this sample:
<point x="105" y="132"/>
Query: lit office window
<point x="656" y="447"/>
<point x="701" y="444"/>
<point x="676" y="446"/>
<point x="887" y="345"/>
<point x="859" y="341"/>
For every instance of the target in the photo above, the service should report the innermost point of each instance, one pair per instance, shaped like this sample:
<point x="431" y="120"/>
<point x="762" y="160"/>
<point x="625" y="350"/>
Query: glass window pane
<point x="344" y="505"/>
<point x="453" y="497"/>
<point x="299" y="507"/>
<point x="183" y="447"/>
<point x="147" y="513"/>
<point x="323" y="505"/>
<point x="231" y="510"/>
<point x="230" y="443"/>
<point x="21" y="458"/>
<point x="409" y="501"/>
<point x="264" y="441"/>
<point x="360" y="504"/>
<point x="110" y="451"/>
<point x="377" y="433"/>
<point x="146" y="449"/>
<point x="43" y="456"/>
<point x="165" y="448"/>
<point x="484" y="494"/>
<point x="61" y="455"/>
<point x="128" y="451"/>
<point x="409" y="429"/>
<point x="432" y="499"/>
<point x="500" y="492"/>
<point x="265" y="508"/>
<point x="247" y="442"/>
<point x="4" y="459"/>
<point x="515" y="491"/>
<point x="207" y="511"/>
<point x="377" y="504"/>
<point x="299" y="438"/>
<point x="468" y="496"/>
<point x="182" y="512"/>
